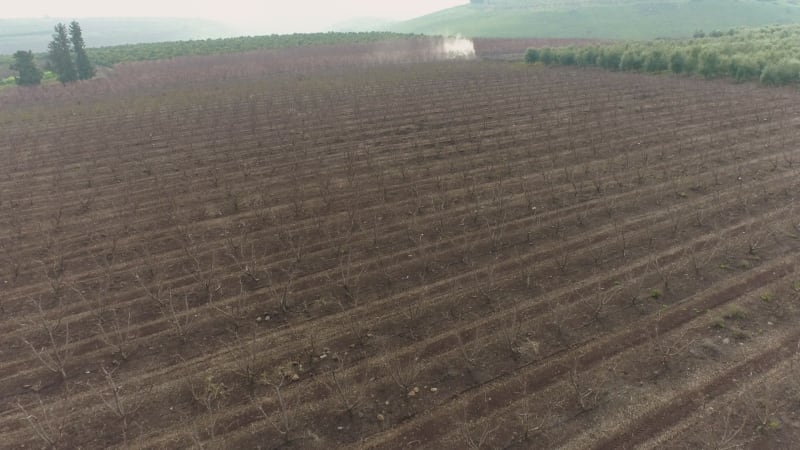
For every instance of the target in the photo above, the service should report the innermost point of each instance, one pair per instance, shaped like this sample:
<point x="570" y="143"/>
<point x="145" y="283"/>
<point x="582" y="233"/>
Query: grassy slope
<point x="643" y="20"/>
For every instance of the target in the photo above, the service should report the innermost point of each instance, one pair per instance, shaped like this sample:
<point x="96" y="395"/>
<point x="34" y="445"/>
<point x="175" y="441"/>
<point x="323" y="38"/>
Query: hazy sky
<point x="289" y="15"/>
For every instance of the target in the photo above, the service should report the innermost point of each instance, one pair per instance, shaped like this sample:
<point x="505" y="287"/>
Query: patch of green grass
<point x="741" y="335"/>
<point x="655" y="294"/>
<point x="773" y="425"/>
<point x="718" y="324"/>
<point x="735" y="313"/>
<point x="48" y="77"/>
<point x="767" y="297"/>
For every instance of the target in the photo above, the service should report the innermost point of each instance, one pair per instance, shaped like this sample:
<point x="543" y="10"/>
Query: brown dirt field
<point x="350" y="248"/>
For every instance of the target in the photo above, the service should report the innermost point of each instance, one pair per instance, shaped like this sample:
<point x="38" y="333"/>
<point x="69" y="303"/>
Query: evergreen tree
<point x="29" y="74"/>
<point x="82" y="63"/>
<point x="60" y="56"/>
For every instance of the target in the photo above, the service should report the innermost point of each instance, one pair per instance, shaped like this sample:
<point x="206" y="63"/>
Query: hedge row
<point x="770" y="55"/>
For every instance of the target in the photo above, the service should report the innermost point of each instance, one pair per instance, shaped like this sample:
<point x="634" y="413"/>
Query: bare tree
<point x="283" y="426"/>
<point x="587" y="398"/>
<point x="348" y="275"/>
<point x="761" y="406"/>
<point x="348" y="397"/>
<point x="56" y="353"/>
<point x="725" y="438"/>
<point x="476" y="435"/>
<point x="201" y="268"/>
<point x="533" y="418"/>
<point x="243" y="253"/>
<point x="664" y="271"/>
<point x="14" y="265"/>
<point x="487" y="287"/>
<point x="510" y="334"/>
<point x="664" y="348"/>
<point x="49" y="428"/>
<point x="403" y="371"/>
<point x="123" y="407"/>
<point x="527" y="270"/>
<point x="356" y="326"/>
<point x="212" y="396"/>
<point x="176" y="313"/>
<point x="470" y="351"/>
<point x="245" y="352"/>
<point x="116" y="332"/>
<point x="599" y="301"/>
<point x="113" y="324"/>
<point x="281" y="292"/>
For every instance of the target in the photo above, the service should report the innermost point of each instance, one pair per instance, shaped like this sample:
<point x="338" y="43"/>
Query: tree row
<point x="770" y="55"/>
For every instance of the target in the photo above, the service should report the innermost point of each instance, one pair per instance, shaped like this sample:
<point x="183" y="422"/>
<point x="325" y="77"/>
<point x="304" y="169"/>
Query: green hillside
<point x="610" y="19"/>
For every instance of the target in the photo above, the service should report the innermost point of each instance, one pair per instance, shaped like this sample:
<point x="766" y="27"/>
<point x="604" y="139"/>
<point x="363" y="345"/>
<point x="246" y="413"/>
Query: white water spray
<point x="458" y="48"/>
<point x="423" y="49"/>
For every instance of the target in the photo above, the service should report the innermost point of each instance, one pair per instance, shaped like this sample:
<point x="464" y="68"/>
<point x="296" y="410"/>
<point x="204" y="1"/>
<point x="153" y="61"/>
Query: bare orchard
<point x="348" y="247"/>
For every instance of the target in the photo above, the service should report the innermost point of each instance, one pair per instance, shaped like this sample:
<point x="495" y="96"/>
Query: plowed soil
<point x="343" y="247"/>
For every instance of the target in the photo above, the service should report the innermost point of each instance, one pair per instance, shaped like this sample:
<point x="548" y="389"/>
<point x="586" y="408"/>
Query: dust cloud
<point x="458" y="48"/>
<point x="422" y="49"/>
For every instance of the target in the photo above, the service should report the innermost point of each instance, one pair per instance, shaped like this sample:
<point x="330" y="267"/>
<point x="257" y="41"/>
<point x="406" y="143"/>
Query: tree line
<point x="770" y="55"/>
<point x="108" y="56"/>
<point x="66" y="57"/>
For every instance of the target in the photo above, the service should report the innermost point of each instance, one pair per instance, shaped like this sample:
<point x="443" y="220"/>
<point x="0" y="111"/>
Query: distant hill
<point x="34" y="34"/>
<point x="603" y="19"/>
<point x="359" y="24"/>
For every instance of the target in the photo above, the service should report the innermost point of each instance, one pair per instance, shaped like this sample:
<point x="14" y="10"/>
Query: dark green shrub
<point x="567" y="57"/>
<point x="610" y="58"/>
<point x="677" y="62"/>
<point x="693" y="60"/>
<point x="656" y="61"/>
<point x="782" y="72"/>
<point x="547" y="56"/>
<point x="709" y="64"/>
<point x="587" y="56"/>
<point x="743" y="69"/>
<point x="631" y="60"/>
<point x="532" y="55"/>
<point x="29" y="74"/>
